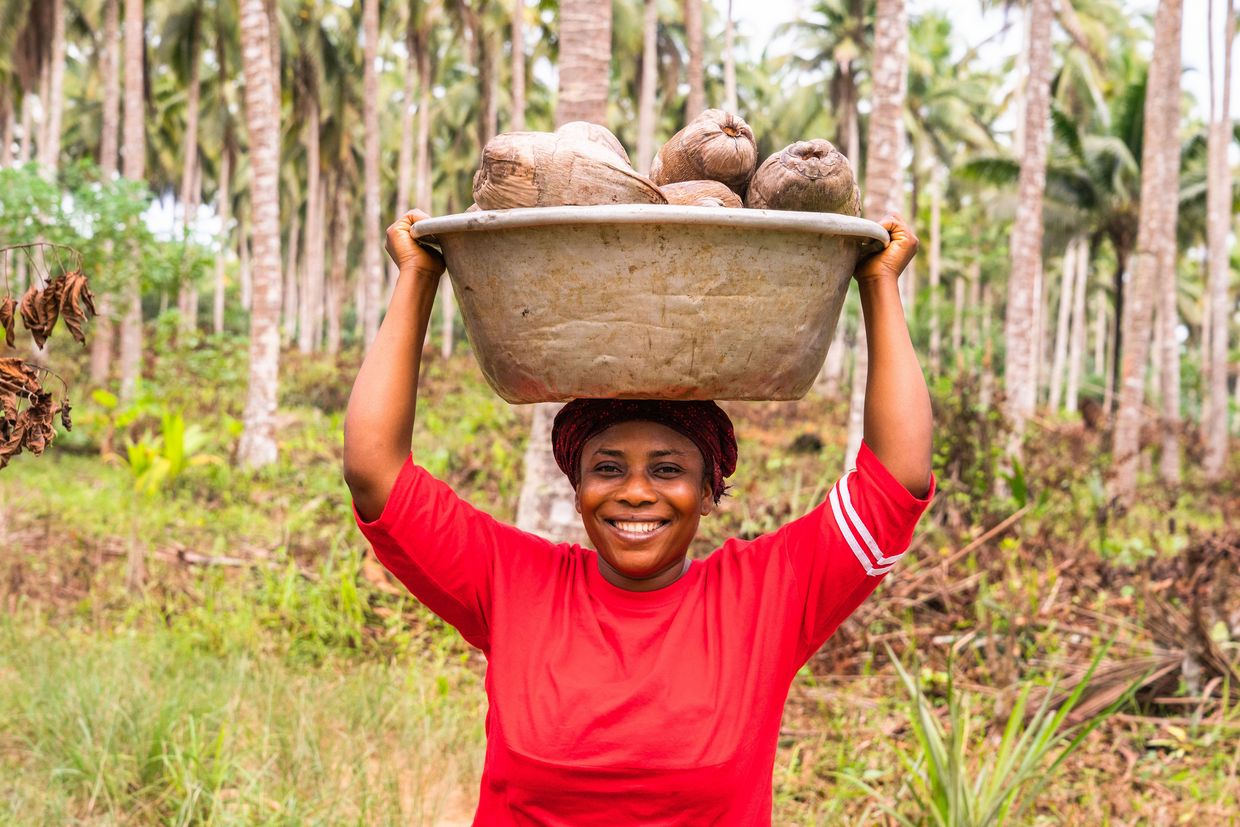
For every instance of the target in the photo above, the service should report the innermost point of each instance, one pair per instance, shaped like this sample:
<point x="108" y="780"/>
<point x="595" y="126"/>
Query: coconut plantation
<point x="619" y="412"/>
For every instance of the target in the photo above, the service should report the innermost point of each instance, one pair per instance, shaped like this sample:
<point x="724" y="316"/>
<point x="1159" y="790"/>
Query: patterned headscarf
<point x="703" y="422"/>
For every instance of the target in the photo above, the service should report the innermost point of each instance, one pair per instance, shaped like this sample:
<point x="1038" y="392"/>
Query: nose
<point x="637" y="490"/>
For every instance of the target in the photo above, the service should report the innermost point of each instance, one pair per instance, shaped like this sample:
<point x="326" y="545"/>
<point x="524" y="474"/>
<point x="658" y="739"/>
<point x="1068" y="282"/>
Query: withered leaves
<point x="67" y="296"/>
<point x="8" y="308"/>
<point x="29" y="428"/>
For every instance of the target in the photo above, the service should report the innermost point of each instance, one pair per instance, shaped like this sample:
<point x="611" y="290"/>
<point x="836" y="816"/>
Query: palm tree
<point x="696" y="101"/>
<point x="1023" y="320"/>
<point x="134" y="168"/>
<point x="1156" y="246"/>
<point x="372" y="269"/>
<point x="645" y="103"/>
<point x="109" y="60"/>
<point x="546" y="503"/>
<point x="1218" y="215"/>
<point x="884" y="171"/>
<point x="258" y="446"/>
<point x="518" y="66"/>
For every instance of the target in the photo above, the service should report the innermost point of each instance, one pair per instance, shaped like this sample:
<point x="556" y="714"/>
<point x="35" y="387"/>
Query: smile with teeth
<point x="637" y="527"/>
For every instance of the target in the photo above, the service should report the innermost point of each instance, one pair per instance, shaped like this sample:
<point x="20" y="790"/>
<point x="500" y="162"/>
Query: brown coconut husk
<point x="809" y="175"/>
<point x="542" y="169"/>
<point x="700" y="194"/>
<point x="592" y="132"/>
<point x="715" y="146"/>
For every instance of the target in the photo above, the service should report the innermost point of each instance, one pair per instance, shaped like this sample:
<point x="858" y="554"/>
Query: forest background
<point x="194" y="632"/>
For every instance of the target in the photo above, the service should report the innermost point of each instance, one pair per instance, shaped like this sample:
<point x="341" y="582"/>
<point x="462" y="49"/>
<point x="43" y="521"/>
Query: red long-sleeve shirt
<point x="614" y="707"/>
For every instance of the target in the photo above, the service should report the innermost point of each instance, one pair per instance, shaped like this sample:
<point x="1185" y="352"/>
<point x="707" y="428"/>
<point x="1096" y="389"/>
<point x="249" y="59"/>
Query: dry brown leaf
<point x="41" y="308"/>
<point x="30" y="429"/>
<point x="8" y="308"/>
<point x="75" y="300"/>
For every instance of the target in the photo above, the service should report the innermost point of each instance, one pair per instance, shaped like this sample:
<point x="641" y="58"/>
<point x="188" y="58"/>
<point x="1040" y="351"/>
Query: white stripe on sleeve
<point x="879" y="559"/>
<point x="850" y="538"/>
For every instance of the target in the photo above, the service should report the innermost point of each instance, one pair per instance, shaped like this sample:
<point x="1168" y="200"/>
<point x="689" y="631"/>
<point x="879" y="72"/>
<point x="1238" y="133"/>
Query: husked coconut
<point x="700" y="194"/>
<point x="716" y="146"/>
<point x="592" y="132"/>
<point x="543" y="169"/>
<point x="809" y="175"/>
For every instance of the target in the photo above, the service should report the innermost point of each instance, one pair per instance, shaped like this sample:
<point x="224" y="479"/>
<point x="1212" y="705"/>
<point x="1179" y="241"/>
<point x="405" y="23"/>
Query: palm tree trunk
<point x="546" y="503"/>
<point x="934" y="267"/>
<point x="6" y="125"/>
<point x="49" y="152"/>
<point x="422" y="185"/>
<point x="109" y="69"/>
<point x="645" y="95"/>
<point x="957" y="333"/>
<point x="189" y="171"/>
<point x="518" y="66"/>
<point x="1218" y="216"/>
<point x="341" y="227"/>
<point x="1023" y="318"/>
<point x="257" y="445"/>
<point x="884" y="173"/>
<point x="134" y="170"/>
<point x="1076" y="340"/>
<point x="25" y="147"/>
<point x="828" y="382"/>
<point x="311" y="306"/>
<point x="223" y="206"/>
<point x="696" y="101"/>
<point x="372" y="267"/>
<point x="489" y="46"/>
<point x="1168" y="356"/>
<point x="729" y="62"/>
<point x="404" y="158"/>
<point x="1067" y="291"/>
<point x="1156" y="251"/>
<point x="289" y="294"/>
<point x="585" y="61"/>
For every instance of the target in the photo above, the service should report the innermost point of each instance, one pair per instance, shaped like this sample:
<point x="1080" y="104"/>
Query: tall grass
<point x="142" y="727"/>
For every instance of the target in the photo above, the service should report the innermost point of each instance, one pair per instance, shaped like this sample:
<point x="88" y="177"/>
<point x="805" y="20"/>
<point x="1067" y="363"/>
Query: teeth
<point x="637" y="528"/>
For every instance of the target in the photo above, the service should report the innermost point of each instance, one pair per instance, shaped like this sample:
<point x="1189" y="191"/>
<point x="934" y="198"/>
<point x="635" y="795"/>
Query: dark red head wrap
<point x="703" y="422"/>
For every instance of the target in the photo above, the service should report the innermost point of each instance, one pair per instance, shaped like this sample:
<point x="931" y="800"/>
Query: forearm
<point x="898" y="418"/>
<point x="378" y="427"/>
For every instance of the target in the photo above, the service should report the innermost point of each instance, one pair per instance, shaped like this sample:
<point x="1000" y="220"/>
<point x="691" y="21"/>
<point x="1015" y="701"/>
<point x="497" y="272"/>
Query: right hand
<point x="409" y="255"/>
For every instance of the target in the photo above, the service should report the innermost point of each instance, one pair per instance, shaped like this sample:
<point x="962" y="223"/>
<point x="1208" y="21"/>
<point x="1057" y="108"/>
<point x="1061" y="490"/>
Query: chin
<point x="638" y="566"/>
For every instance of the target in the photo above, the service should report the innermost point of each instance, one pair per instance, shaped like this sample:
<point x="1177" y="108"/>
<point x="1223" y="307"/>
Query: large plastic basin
<point x="643" y="301"/>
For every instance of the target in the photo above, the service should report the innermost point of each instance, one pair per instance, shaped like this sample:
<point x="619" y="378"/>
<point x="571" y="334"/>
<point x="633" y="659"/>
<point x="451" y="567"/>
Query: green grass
<point x="146" y="727"/>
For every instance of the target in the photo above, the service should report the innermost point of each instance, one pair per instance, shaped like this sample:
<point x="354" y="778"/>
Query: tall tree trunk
<point x="422" y="183"/>
<point x="1076" y="341"/>
<point x="223" y="207"/>
<point x="518" y="66"/>
<point x="1023" y="318"/>
<point x="134" y="170"/>
<point x="959" y="286"/>
<point x="645" y="95"/>
<point x="729" y="63"/>
<point x="1168" y="357"/>
<point x="408" y="107"/>
<point x="546" y="505"/>
<point x="828" y="382"/>
<point x="7" y="118"/>
<point x="189" y="170"/>
<point x="585" y="61"/>
<point x="49" y="152"/>
<point x="372" y="267"/>
<point x="340" y="262"/>
<point x="1067" y="291"/>
<point x="25" y="147"/>
<point x="1160" y="171"/>
<point x="489" y="46"/>
<point x="109" y="69"/>
<point x="258" y="446"/>
<point x="1218" y="218"/>
<point x="696" y="101"/>
<point x="884" y="171"/>
<point x="311" y="305"/>
<point x="289" y="295"/>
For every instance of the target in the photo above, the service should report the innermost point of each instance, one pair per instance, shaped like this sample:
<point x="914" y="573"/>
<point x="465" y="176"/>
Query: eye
<point x="668" y="469"/>
<point x="607" y="468"/>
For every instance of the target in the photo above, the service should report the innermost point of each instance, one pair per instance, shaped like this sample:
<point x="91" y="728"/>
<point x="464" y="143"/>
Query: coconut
<point x="716" y="145"/>
<point x="592" y="132"/>
<point x="473" y="208"/>
<point x="809" y="175"/>
<point x="700" y="194"/>
<point x="542" y="169"/>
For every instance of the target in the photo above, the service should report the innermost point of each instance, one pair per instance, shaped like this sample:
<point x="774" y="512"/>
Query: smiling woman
<point x="628" y="684"/>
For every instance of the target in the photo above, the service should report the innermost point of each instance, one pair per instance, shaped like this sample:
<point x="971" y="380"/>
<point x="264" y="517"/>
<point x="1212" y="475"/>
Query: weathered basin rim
<point x="660" y="214"/>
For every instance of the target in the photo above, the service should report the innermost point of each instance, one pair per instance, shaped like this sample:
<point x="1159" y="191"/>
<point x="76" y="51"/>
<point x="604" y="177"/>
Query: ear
<point x="707" y="504"/>
<point x="577" y="499"/>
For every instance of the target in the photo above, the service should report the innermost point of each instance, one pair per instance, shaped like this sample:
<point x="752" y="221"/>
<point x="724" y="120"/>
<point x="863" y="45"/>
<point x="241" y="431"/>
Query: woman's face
<point x="642" y="493"/>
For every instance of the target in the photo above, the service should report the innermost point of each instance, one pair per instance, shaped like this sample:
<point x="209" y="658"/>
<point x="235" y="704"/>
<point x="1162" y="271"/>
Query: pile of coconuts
<point x="712" y="162"/>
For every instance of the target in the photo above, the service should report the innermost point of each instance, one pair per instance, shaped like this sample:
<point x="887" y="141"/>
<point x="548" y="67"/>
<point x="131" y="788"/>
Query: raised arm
<point x="898" y="419"/>
<point x="378" y="426"/>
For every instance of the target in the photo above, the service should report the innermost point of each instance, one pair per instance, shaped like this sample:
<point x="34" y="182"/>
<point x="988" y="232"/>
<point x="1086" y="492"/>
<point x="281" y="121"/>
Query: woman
<point x="630" y="685"/>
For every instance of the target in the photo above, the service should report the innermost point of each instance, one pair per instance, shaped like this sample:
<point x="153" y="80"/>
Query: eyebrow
<point x="665" y="452"/>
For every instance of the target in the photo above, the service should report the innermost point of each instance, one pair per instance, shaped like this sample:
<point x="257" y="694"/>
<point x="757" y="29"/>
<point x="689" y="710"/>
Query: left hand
<point x="890" y="262"/>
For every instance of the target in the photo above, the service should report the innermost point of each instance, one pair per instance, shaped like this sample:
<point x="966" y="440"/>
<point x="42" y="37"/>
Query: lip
<point x="636" y="536"/>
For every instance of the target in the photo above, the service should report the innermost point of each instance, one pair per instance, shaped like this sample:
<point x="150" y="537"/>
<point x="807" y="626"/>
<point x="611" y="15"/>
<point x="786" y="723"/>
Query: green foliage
<point x="955" y="779"/>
